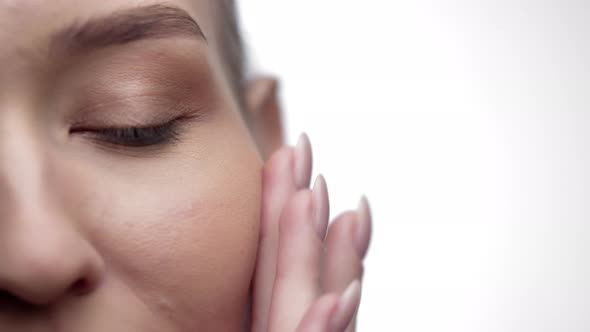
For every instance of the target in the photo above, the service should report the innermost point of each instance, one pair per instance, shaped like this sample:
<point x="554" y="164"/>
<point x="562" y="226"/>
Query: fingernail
<point x="303" y="161"/>
<point x="322" y="206"/>
<point x="363" y="227"/>
<point x="347" y="306"/>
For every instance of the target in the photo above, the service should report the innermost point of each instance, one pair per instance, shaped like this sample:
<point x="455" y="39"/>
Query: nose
<point x="44" y="255"/>
<point x="43" y="261"/>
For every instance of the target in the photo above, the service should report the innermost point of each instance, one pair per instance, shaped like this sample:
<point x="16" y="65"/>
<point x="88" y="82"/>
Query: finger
<point x="297" y="283"/>
<point x="342" y="263"/>
<point x="279" y="184"/>
<point x="346" y="244"/>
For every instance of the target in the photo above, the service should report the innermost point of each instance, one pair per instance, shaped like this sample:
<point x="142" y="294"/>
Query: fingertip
<point x="303" y="162"/>
<point x="277" y="184"/>
<point x="343" y="228"/>
<point x="321" y="206"/>
<point x="363" y="227"/>
<point x="279" y="165"/>
<point x="298" y="210"/>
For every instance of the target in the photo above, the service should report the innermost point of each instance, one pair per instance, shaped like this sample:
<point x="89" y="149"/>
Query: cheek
<point x="184" y="241"/>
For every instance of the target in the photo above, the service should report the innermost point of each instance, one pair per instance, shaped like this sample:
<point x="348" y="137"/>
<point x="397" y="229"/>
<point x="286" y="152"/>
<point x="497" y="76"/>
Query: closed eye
<point x="134" y="136"/>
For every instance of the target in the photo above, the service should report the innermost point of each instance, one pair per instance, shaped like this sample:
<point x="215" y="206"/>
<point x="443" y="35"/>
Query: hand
<point x="307" y="276"/>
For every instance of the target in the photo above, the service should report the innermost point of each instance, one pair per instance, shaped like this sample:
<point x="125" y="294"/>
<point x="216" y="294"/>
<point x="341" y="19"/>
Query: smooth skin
<point x="183" y="234"/>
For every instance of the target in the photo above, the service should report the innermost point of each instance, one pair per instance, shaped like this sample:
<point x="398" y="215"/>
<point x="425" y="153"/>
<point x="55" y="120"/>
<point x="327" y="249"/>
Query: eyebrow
<point x="125" y="26"/>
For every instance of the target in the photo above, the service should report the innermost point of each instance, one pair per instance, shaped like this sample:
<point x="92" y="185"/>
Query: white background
<point x="467" y="125"/>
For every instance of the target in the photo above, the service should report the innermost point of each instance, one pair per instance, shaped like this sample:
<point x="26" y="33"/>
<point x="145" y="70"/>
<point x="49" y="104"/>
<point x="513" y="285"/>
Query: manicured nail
<point x="322" y="207"/>
<point x="363" y="227"/>
<point x="303" y="160"/>
<point x="347" y="306"/>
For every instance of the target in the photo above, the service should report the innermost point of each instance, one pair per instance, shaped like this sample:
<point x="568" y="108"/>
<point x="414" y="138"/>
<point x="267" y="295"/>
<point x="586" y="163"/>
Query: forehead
<point x="26" y="25"/>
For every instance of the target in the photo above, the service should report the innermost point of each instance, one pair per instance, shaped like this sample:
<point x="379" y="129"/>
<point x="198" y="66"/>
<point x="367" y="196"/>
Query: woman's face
<point x="129" y="185"/>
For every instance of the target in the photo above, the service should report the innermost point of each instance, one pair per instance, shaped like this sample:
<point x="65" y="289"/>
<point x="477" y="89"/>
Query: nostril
<point x="81" y="287"/>
<point x="8" y="301"/>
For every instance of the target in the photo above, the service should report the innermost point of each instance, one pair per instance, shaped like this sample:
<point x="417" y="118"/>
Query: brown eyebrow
<point x="126" y="26"/>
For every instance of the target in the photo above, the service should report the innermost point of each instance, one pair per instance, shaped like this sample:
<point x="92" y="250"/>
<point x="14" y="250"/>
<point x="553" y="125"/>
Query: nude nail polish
<point x="302" y="168"/>
<point x="363" y="227"/>
<point x="322" y="208"/>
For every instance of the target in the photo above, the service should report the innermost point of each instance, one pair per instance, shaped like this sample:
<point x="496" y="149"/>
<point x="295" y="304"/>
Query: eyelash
<point x="137" y="137"/>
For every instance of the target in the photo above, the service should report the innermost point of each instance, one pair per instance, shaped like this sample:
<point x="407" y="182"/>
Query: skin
<point x="182" y="236"/>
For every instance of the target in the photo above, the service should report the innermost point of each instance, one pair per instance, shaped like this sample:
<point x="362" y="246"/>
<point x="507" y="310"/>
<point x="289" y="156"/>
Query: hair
<point x="233" y="55"/>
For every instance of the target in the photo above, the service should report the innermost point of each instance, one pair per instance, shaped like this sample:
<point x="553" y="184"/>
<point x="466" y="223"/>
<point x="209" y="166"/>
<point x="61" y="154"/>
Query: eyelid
<point x="129" y="125"/>
<point x="135" y="137"/>
<point x="130" y="111"/>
